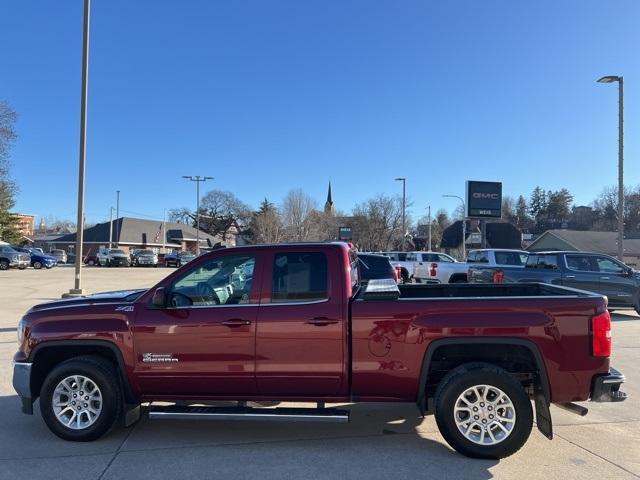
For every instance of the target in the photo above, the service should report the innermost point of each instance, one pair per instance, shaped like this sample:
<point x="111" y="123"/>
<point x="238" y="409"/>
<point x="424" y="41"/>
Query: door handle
<point x="321" y="321"/>
<point x="605" y="278"/>
<point x="236" y="322"/>
<point x="570" y="276"/>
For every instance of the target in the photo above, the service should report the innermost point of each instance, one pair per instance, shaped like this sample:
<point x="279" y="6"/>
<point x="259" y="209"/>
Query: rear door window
<point x="580" y="263"/>
<point x="299" y="277"/>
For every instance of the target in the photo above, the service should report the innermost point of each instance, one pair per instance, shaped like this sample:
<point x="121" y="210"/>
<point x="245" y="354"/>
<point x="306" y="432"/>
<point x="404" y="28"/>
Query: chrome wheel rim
<point x="484" y="414"/>
<point x="77" y="402"/>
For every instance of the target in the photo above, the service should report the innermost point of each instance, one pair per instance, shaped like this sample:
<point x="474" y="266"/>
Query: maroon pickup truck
<point x="290" y="323"/>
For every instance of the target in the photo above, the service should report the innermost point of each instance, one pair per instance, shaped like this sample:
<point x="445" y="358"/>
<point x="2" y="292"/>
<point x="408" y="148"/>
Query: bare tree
<point x="377" y="223"/>
<point x="8" y="189"/>
<point x="296" y="210"/>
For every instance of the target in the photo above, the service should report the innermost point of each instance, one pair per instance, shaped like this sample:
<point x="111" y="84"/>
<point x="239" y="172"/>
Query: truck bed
<point x="440" y="291"/>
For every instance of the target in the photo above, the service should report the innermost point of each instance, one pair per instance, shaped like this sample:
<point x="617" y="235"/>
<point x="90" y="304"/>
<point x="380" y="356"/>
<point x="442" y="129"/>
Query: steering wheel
<point x="207" y="294"/>
<point x="180" y="300"/>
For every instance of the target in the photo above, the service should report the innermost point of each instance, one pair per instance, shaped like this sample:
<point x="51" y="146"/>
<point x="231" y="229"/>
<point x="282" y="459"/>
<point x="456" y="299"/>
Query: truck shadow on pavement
<point x="391" y="439"/>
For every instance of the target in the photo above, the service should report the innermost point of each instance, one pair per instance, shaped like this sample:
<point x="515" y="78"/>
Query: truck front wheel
<point x="80" y="399"/>
<point x="483" y="412"/>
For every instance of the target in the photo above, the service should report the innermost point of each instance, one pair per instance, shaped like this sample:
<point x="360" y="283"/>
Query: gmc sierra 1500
<point x="291" y="323"/>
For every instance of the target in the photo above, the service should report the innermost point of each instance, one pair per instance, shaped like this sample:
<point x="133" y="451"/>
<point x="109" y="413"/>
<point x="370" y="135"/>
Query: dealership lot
<point x="381" y="441"/>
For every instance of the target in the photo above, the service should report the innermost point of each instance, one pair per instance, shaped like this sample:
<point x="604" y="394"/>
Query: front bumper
<point x="22" y="385"/>
<point x="606" y="388"/>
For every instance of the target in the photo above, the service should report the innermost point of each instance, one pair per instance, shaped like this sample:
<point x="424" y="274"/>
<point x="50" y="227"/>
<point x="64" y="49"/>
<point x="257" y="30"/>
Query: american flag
<point x="158" y="234"/>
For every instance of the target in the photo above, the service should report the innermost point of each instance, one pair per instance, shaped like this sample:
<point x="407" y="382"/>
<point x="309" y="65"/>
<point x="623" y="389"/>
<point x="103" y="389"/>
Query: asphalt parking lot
<point x="382" y="440"/>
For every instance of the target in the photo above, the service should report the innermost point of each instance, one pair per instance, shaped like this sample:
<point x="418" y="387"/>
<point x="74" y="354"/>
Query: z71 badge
<point x="158" y="358"/>
<point x="124" y="308"/>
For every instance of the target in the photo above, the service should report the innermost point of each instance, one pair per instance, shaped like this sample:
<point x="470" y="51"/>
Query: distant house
<point x="587" y="241"/>
<point x="131" y="233"/>
<point x="499" y="235"/>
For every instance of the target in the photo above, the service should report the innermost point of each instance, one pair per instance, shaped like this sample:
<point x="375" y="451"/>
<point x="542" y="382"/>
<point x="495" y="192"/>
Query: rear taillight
<point x="601" y="331"/>
<point x="434" y="270"/>
<point x="498" y="276"/>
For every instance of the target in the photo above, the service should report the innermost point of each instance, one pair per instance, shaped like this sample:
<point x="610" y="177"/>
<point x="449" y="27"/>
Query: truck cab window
<point x="223" y="281"/>
<point x="299" y="277"/>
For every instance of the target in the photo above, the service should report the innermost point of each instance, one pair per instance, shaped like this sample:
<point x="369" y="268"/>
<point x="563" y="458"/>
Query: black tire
<point x="4" y="265"/>
<point x="37" y="265"/>
<point x="104" y="375"/>
<point x="461" y="379"/>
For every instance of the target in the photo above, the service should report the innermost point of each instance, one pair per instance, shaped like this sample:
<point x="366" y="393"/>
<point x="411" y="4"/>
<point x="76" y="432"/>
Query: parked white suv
<point x="437" y="267"/>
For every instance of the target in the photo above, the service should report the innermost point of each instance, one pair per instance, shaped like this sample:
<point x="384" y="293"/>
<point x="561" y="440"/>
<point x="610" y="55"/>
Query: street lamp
<point x="620" y="80"/>
<point x="77" y="290"/>
<point x="404" y="210"/>
<point x="197" y="179"/>
<point x="464" y="224"/>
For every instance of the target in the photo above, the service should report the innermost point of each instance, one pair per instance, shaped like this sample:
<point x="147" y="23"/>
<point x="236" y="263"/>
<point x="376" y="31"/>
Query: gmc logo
<point x="486" y="196"/>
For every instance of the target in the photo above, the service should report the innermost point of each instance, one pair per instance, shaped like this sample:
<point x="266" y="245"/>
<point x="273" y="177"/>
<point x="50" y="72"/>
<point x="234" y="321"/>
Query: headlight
<point x="22" y="326"/>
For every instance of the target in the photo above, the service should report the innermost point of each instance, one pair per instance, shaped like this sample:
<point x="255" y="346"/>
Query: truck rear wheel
<point x="483" y="412"/>
<point x="80" y="399"/>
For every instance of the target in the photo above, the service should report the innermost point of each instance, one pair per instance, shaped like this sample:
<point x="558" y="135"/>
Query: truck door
<point x="581" y="272"/>
<point x="203" y="341"/>
<point x="302" y="324"/>
<point x="615" y="282"/>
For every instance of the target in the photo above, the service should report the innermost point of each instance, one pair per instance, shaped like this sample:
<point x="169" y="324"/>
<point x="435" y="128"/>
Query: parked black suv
<point x="593" y="272"/>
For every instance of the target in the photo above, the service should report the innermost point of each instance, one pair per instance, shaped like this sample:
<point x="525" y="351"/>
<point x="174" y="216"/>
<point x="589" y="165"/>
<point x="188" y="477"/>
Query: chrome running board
<point x="178" y="412"/>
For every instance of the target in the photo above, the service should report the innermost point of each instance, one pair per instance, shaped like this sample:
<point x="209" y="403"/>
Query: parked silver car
<point x="59" y="254"/>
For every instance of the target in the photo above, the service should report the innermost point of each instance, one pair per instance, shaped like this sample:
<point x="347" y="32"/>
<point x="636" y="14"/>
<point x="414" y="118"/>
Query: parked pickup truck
<point x="436" y="267"/>
<point x="290" y="323"/>
<point x="593" y="272"/>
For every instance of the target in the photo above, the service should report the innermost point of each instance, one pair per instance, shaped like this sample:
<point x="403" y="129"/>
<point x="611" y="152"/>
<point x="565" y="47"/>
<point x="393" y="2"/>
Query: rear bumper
<point x="606" y="388"/>
<point x="22" y="385"/>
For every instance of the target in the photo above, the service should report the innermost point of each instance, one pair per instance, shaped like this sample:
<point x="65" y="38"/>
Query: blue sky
<point x="266" y="96"/>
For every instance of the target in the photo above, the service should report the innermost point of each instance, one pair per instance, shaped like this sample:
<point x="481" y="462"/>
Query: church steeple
<point x="329" y="208"/>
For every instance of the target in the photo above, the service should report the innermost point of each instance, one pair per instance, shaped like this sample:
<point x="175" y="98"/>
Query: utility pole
<point x="117" y="217"/>
<point x="620" y="80"/>
<point x="404" y="211"/>
<point x="197" y="179"/>
<point x="110" y="226"/>
<point x="77" y="290"/>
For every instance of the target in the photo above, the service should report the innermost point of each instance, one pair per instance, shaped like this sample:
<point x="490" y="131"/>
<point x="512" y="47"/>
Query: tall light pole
<point x="197" y="179"/>
<point x="464" y="224"/>
<point x="117" y="217"/>
<point x="620" y="80"/>
<point x="404" y="210"/>
<point x="77" y="290"/>
<point x="429" y="249"/>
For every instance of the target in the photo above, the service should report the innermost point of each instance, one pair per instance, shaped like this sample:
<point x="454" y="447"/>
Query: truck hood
<point x="118" y="296"/>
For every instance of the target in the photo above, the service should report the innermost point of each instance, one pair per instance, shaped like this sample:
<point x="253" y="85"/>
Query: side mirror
<point x="159" y="298"/>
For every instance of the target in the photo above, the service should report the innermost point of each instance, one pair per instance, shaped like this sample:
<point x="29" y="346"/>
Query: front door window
<point x="223" y="281"/>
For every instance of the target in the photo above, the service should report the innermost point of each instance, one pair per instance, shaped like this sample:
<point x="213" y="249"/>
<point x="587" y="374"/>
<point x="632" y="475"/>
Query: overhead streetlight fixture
<point x="609" y="79"/>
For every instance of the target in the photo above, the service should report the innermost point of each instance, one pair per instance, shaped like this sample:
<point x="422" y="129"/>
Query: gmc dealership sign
<point x="484" y="199"/>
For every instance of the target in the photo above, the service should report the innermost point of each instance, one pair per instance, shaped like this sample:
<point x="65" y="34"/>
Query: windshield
<point x="145" y="252"/>
<point x="117" y="252"/>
